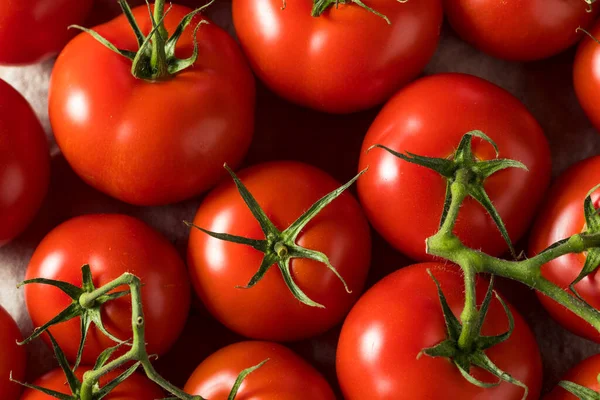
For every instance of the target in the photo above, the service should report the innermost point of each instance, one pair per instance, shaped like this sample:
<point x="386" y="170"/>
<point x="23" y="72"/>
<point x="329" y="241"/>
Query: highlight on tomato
<point x="586" y="77"/>
<point x="404" y="201"/>
<point x="337" y="57"/>
<point x="581" y="382"/>
<point x="161" y="108"/>
<point x="12" y="358"/>
<point x="281" y="253"/>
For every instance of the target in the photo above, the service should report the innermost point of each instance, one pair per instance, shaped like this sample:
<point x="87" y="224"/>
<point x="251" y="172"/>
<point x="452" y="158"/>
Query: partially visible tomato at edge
<point x="584" y="374"/>
<point x="12" y="357"/>
<point x="586" y="75"/>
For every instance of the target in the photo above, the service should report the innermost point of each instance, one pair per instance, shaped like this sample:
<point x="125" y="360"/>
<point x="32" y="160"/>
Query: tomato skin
<point x="136" y="387"/>
<point x="561" y="217"/>
<point x="285" y="376"/>
<point x="269" y="311"/>
<point x="24" y="165"/>
<point x="154" y="143"/>
<point x="112" y="244"/>
<point x="400" y="316"/>
<point x="404" y="201"/>
<point x="519" y="30"/>
<point x="34" y="30"/>
<point x="586" y="76"/>
<point x="13" y="357"/>
<point x="584" y="374"/>
<point x="346" y="60"/>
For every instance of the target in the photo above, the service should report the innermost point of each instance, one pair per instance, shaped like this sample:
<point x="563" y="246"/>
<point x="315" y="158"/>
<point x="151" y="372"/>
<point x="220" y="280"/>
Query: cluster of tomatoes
<point x="151" y="143"/>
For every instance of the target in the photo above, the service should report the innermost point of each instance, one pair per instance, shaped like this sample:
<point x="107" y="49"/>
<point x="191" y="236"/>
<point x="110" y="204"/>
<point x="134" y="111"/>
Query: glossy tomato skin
<point x="519" y="30"/>
<point x="154" y="142"/>
<point x="136" y="387"/>
<point x="285" y="376"/>
<point x="111" y="244"/>
<point x="586" y="76"/>
<point x="377" y="356"/>
<point x="346" y="60"/>
<point x="561" y="217"/>
<point x="24" y="163"/>
<point x="404" y="201"/>
<point x="34" y="30"/>
<point x="269" y="311"/>
<point x="12" y="357"/>
<point x="584" y="374"/>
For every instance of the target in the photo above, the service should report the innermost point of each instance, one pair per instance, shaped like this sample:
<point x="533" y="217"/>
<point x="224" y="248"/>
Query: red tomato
<point x="269" y="311"/>
<point x="404" y="201"/>
<point x="400" y="316"/>
<point x="562" y="216"/>
<point x="285" y="376"/>
<point x="12" y="358"/>
<point x="586" y="75"/>
<point x="136" y="387"/>
<point x="153" y="142"/>
<point x="347" y="59"/>
<point x="111" y="244"/>
<point x="584" y="374"/>
<point x="33" y="30"/>
<point x="24" y="163"/>
<point x="520" y="30"/>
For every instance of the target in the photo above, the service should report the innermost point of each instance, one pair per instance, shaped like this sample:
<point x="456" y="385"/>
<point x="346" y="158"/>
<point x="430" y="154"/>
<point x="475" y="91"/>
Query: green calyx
<point x="88" y="311"/>
<point x="155" y="58"/>
<point x="474" y="356"/>
<point x="279" y="247"/>
<point x="319" y="7"/>
<point x="464" y="168"/>
<point x="581" y="392"/>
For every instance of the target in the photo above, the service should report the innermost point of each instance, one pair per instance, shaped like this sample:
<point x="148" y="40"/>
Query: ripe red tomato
<point x="12" y="358"/>
<point x="153" y="142"/>
<point x="347" y="59"/>
<point x="111" y="244"/>
<point x="584" y="374"/>
<point x="136" y="387"/>
<point x="400" y="316"/>
<point x="269" y="311"/>
<point x="33" y="30"/>
<point x="285" y="376"/>
<point x="586" y="75"/>
<point x="24" y="163"/>
<point x="562" y="216"/>
<point x="520" y="30"/>
<point x="404" y="201"/>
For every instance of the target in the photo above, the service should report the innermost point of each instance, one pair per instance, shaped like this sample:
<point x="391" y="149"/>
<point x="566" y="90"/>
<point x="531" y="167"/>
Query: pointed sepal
<point x="240" y="379"/>
<point x="581" y="392"/>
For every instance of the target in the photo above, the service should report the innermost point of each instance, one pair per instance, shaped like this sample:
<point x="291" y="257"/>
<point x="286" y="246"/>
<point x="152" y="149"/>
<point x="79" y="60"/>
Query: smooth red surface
<point x="33" y="30"/>
<point x="584" y="374"/>
<point x="24" y="163"/>
<point x="111" y="244"/>
<point x="377" y="356"/>
<point x="152" y="143"/>
<point x="562" y="216"/>
<point x="404" y="201"/>
<point x="269" y="311"/>
<point x="346" y="60"/>
<point x="136" y="387"/>
<point x="12" y="357"/>
<point x="586" y="76"/>
<point x="285" y="376"/>
<point x="520" y="30"/>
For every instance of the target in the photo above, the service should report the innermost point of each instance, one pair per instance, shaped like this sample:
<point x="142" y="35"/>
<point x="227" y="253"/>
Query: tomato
<point x="136" y="387"/>
<point x="285" y="376"/>
<point x="33" y="30"/>
<point x="404" y="201"/>
<point x="347" y="59"/>
<point x="400" y="316"/>
<point x="560" y="217"/>
<point x="520" y="30"/>
<point x="584" y="374"/>
<point x="154" y="142"/>
<point x="12" y="358"/>
<point x="24" y="163"/>
<point x="111" y="244"/>
<point x="269" y="311"/>
<point x="586" y="76"/>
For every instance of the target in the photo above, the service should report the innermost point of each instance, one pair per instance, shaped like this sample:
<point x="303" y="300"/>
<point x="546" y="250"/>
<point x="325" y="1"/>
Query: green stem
<point x="470" y="315"/>
<point x="158" y="60"/>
